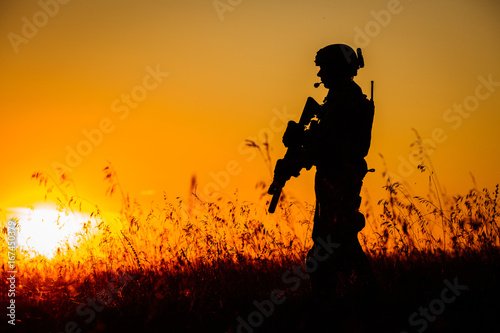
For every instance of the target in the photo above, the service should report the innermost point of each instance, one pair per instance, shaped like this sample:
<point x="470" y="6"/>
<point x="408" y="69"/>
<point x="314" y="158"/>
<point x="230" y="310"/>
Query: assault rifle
<point x="294" y="139"/>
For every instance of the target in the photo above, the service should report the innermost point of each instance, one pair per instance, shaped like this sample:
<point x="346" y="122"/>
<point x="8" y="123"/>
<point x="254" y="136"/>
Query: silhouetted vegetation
<point x="195" y="266"/>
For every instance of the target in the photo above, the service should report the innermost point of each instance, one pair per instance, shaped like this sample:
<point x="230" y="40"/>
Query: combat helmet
<point x="342" y="57"/>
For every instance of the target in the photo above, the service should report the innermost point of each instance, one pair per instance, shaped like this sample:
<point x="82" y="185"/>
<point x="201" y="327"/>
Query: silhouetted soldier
<point x="341" y="142"/>
<point x="336" y="141"/>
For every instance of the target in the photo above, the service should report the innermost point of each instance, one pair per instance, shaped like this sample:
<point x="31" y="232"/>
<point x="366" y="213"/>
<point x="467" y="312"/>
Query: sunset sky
<point x="168" y="90"/>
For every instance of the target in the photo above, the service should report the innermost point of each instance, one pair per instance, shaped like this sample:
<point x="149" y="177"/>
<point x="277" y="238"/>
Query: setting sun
<point x="43" y="229"/>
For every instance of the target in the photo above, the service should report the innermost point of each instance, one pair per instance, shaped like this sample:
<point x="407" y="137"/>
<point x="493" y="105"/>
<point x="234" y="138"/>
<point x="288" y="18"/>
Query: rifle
<point x="294" y="139"/>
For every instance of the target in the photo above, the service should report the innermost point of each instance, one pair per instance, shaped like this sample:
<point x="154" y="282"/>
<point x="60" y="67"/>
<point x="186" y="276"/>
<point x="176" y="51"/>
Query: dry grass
<point x="205" y="262"/>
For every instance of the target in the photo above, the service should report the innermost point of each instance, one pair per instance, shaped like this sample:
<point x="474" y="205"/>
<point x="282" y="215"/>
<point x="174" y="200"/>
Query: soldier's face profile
<point x="328" y="75"/>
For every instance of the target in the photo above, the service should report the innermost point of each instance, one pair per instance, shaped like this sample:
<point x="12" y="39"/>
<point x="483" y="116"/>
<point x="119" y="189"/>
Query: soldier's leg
<point x="328" y="206"/>
<point x="323" y="282"/>
<point x="355" y="222"/>
<point x="354" y="255"/>
<point x="322" y="275"/>
<point x="361" y="267"/>
<point x="321" y="269"/>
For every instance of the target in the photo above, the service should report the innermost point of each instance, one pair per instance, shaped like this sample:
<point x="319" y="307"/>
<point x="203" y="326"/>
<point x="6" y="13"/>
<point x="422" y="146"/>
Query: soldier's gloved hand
<point x="293" y="134"/>
<point x="282" y="171"/>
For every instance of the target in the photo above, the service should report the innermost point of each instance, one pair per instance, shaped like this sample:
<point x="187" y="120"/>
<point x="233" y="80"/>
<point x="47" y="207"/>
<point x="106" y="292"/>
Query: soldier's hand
<point x="293" y="134"/>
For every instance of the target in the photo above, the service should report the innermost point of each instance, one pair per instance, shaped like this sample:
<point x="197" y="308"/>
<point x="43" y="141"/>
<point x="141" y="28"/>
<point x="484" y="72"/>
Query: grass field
<point x="226" y="266"/>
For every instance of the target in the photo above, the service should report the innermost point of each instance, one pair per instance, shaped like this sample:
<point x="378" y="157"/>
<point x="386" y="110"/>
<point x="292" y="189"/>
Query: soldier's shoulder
<point x="354" y="92"/>
<point x="359" y="102"/>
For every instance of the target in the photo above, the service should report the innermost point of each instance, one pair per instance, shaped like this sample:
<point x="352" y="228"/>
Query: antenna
<point x="371" y="98"/>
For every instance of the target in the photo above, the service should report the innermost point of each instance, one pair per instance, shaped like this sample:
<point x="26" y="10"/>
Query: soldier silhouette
<point x="336" y="140"/>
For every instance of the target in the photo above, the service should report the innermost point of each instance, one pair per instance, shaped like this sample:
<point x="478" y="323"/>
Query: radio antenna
<point x="371" y="98"/>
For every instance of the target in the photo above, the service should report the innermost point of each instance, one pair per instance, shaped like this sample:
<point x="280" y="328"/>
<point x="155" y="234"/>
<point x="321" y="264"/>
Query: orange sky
<point x="165" y="90"/>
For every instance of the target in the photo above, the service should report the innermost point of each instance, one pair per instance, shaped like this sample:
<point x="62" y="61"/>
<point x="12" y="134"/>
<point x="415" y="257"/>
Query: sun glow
<point x="44" y="229"/>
